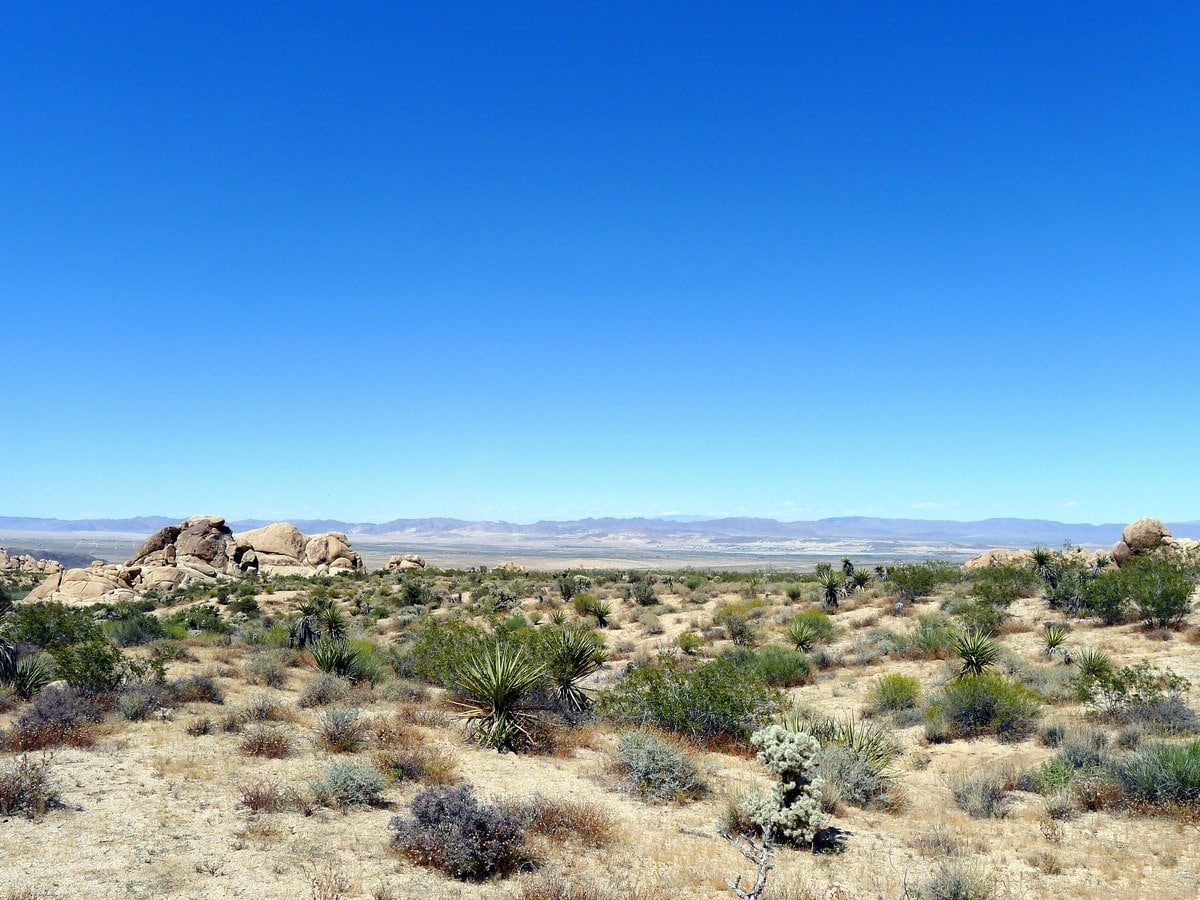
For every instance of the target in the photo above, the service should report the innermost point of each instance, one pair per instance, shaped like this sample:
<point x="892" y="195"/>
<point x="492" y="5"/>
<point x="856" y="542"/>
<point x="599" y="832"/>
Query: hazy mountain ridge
<point x="996" y="531"/>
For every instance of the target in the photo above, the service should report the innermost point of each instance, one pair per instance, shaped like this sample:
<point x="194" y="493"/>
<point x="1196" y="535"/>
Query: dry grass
<point x="273" y="743"/>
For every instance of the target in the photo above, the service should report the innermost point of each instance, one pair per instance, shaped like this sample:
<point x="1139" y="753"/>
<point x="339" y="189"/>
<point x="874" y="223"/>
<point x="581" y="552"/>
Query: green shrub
<point x="773" y="665"/>
<point x="442" y="647"/>
<point x="133" y="628"/>
<point x="711" y="701"/>
<point x="1001" y="585"/>
<point x="892" y="693"/>
<point x="689" y="643"/>
<point x="52" y="626"/>
<point x="977" y="705"/>
<point x="1105" y="597"/>
<point x="912" y="581"/>
<point x="30" y="674"/>
<point x="932" y="638"/>
<point x="734" y="619"/>
<point x="205" y="617"/>
<point x="1140" y="693"/>
<point x="95" y="667"/>
<point x="653" y="767"/>
<point x="1160" y="589"/>
<point x="345" y="784"/>
<point x="1163" y="774"/>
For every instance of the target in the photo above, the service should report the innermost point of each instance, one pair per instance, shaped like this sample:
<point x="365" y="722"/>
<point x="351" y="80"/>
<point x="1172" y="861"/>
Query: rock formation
<point x="23" y="562"/>
<point x="202" y="548"/>
<point x="407" y="561"/>
<point x="1151" y="536"/>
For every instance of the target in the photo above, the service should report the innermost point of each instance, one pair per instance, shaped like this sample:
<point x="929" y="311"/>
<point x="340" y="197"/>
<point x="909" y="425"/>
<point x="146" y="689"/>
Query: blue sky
<point x="551" y="260"/>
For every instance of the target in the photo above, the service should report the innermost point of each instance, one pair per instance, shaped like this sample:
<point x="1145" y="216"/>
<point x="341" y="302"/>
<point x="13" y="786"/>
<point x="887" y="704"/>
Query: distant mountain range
<point x="1000" y="532"/>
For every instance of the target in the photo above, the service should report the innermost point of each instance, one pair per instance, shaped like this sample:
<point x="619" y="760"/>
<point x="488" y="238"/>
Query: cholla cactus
<point x="792" y="809"/>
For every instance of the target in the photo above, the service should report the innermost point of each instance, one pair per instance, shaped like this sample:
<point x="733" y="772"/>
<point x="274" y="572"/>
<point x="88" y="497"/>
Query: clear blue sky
<point x="552" y="260"/>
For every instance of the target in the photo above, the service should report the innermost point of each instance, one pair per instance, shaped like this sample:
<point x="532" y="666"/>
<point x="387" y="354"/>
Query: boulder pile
<point x="1151" y="536"/>
<point x="23" y="562"/>
<point x="407" y="561"/>
<point x="202" y="548"/>
<point x="1140" y="537"/>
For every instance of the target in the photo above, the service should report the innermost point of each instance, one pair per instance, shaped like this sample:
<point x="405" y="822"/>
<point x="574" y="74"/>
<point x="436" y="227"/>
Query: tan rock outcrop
<point x="203" y="548"/>
<point x="23" y="562"/>
<point x="407" y="561"/>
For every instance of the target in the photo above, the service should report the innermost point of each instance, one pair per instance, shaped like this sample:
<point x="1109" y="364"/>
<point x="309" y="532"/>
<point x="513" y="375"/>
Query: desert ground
<point x="170" y="802"/>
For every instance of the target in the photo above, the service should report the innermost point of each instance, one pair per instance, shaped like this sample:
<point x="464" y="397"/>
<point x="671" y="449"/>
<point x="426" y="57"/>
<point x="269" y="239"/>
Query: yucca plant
<point x="832" y="585"/>
<point x="1053" y="638"/>
<point x="1044" y="564"/>
<point x="976" y="650"/>
<point x="30" y="675"/>
<point x="600" y="609"/>
<point x="860" y="578"/>
<point x="333" y="622"/>
<point x="338" y="657"/>
<point x="571" y="654"/>
<point x="803" y="635"/>
<point x="1093" y="663"/>
<point x="847" y="567"/>
<point x="492" y="690"/>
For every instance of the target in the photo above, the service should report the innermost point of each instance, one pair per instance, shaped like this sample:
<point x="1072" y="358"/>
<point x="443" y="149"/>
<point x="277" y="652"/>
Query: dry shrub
<point x="271" y="797"/>
<point x="265" y="708"/>
<point x="553" y="886"/>
<point x="26" y="788"/>
<point x="59" y="716"/>
<point x="341" y="730"/>
<point x="273" y="743"/>
<point x="431" y="766"/>
<point x="394" y="731"/>
<point x="564" y="819"/>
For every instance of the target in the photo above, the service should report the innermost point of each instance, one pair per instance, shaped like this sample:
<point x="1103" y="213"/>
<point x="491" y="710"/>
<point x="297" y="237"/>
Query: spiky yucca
<point x="338" y="657"/>
<point x="976" y="650"/>
<point x="572" y="654"/>
<point x="493" y="689"/>
<point x="833" y="584"/>
<point x="30" y="675"/>
<point x="803" y="635"/>
<point x="1053" y="636"/>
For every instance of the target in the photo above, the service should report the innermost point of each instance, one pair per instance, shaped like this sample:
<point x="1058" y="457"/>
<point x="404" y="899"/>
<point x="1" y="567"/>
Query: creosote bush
<point x="976" y="705"/>
<point x="706" y="703"/>
<point x="452" y="831"/>
<point x="654" y="767"/>
<point x="893" y="693"/>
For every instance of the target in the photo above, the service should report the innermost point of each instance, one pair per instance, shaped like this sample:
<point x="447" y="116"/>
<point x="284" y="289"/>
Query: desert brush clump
<point x="893" y="693"/>
<point x="341" y="730"/>
<point x="651" y="766"/>
<point x="975" y="705"/>
<point x="345" y="784"/>
<point x="712" y="702"/>
<point x="26" y="787"/>
<point x="791" y="811"/>
<point x="452" y="831"/>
